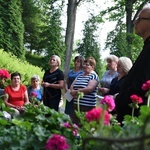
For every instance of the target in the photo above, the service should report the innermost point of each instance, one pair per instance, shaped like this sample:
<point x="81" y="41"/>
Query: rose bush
<point x="99" y="128"/>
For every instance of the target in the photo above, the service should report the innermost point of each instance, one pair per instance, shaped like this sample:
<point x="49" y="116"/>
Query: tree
<point x="89" y="45"/>
<point x="52" y="41"/>
<point x="116" y="13"/>
<point x="12" y="28"/>
<point x="32" y="19"/>
<point x="69" y="38"/>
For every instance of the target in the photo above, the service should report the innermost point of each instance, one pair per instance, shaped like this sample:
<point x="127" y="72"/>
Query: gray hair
<point x="35" y="77"/>
<point x="125" y="64"/>
<point x="112" y="58"/>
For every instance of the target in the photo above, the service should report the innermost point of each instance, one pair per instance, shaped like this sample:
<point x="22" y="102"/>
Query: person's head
<point x="35" y="81"/>
<point x="142" y="22"/>
<point x="112" y="61"/>
<point x="124" y="65"/>
<point x="78" y="62"/>
<point x="89" y="64"/>
<point x="15" y="78"/>
<point x="55" y="61"/>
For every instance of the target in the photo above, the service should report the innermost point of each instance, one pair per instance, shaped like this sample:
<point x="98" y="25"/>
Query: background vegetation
<point x="12" y="64"/>
<point x="35" y="26"/>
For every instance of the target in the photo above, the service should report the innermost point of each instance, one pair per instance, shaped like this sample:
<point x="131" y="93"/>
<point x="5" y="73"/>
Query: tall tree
<point x="32" y="19"/>
<point x="129" y="10"/>
<point x="52" y="39"/>
<point x="69" y="38"/>
<point x="89" y="45"/>
<point x="12" y="28"/>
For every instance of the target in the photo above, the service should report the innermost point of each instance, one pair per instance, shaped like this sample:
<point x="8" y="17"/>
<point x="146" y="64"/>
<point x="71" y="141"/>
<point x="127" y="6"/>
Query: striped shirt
<point x="82" y="82"/>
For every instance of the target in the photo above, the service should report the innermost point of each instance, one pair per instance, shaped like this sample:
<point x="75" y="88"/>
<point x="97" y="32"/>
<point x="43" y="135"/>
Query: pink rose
<point x="57" y="142"/>
<point x="109" y="101"/>
<point x="33" y="94"/>
<point x="146" y="86"/>
<point x="74" y="128"/>
<point x="96" y="114"/>
<point x="4" y="73"/>
<point x="136" y="99"/>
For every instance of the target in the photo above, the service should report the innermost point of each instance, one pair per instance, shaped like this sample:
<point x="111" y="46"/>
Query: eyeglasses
<point x="87" y="65"/>
<point x="138" y="19"/>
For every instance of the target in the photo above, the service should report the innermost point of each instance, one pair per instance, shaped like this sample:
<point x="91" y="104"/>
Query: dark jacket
<point x="139" y="74"/>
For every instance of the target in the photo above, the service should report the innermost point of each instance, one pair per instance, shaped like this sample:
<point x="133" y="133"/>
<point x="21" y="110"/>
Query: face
<point x="111" y="65"/>
<point x="35" y="82"/>
<point x="16" y="80"/>
<point x="77" y="63"/>
<point x="142" y="24"/>
<point x="53" y="62"/>
<point x="87" y="67"/>
<point x="120" y="69"/>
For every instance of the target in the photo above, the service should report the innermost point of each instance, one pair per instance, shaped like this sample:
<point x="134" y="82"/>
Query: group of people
<point x="121" y="80"/>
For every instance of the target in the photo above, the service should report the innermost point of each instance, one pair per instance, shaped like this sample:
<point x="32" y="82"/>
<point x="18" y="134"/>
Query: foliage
<point x="11" y="31"/>
<point x="134" y="132"/>
<point x="32" y="129"/>
<point x="89" y="46"/>
<point x="122" y="40"/>
<point x="34" y="59"/>
<point x="53" y="40"/>
<point x="38" y="126"/>
<point x="32" y="19"/>
<point x="12" y="64"/>
<point x="116" y="42"/>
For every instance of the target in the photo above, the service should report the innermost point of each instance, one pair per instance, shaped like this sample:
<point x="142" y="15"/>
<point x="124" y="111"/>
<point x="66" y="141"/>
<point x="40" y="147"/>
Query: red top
<point x="16" y="97"/>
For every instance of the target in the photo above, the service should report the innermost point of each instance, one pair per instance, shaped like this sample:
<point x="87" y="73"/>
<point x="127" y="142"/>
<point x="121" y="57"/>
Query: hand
<point x="45" y="84"/>
<point x="74" y="93"/>
<point x="103" y="90"/>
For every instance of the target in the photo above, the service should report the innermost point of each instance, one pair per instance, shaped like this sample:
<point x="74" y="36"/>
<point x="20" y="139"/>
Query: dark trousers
<point x="52" y="103"/>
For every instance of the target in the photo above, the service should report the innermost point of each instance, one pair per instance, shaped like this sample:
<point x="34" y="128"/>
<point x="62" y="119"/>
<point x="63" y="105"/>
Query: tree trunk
<point x="71" y="19"/>
<point x="129" y="25"/>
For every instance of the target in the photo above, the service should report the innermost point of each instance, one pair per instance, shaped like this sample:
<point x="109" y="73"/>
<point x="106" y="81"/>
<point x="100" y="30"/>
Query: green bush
<point x="12" y="64"/>
<point x="31" y="130"/>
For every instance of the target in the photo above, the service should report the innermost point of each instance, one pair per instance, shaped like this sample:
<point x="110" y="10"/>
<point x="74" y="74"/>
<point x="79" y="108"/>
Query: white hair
<point x="125" y="64"/>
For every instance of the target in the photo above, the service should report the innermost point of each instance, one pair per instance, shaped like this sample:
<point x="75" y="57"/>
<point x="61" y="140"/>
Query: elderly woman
<point x="88" y="84"/>
<point x="35" y="88"/>
<point x="109" y="74"/>
<point x="53" y="82"/>
<point x="16" y="93"/>
<point x="73" y="73"/>
<point x="123" y="67"/>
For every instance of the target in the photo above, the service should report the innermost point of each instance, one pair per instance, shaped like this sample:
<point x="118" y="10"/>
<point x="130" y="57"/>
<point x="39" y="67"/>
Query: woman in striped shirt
<point x="88" y="84"/>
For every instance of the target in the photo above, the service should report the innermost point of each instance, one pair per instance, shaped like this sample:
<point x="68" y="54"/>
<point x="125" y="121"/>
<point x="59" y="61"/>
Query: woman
<point x="16" y="93"/>
<point x="88" y="84"/>
<point x="53" y="81"/>
<point x="35" y="88"/>
<point x="110" y="74"/>
<point x="123" y="67"/>
<point x="78" y="66"/>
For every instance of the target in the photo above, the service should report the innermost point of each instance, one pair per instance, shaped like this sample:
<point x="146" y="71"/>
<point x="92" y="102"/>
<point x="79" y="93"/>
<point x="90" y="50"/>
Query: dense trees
<point x="36" y="26"/>
<point x="89" y="45"/>
<point x="11" y="27"/>
<point x="122" y="40"/>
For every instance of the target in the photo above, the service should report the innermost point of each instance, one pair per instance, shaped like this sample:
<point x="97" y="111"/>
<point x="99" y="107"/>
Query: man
<point x="140" y="72"/>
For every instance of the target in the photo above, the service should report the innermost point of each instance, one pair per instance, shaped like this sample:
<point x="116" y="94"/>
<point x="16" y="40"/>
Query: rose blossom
<point x="146" y="86"/>
<point x="74" y="128"/>
<point x="34" y="94"/>
<point x="4" y="73"/>
<point x="96" y="114"/>
<point x="109" y="101"/>
<point x="57" y="142"/>
<point x="136" y="99"/>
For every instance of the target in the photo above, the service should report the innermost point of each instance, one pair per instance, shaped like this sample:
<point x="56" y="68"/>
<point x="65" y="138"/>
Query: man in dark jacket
<point x="140" y="72"/>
